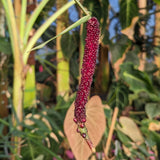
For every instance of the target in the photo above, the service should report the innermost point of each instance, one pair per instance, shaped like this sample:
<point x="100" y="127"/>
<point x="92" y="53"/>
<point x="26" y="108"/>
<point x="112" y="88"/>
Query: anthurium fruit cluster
<point x="87" y="71"/>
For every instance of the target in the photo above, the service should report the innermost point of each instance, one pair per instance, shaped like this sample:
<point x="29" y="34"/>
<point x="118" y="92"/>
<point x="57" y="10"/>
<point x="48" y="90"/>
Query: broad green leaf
<point x="152" y="110"/>
<point x="129" y="127"/>
<point x="5" y="46"/>
<point x="128" y="10"/>
<point x="138" y="81"/>
<point x="69" y="44"/>
<point x="119" y="48"/>
<point x="95" y="124"/>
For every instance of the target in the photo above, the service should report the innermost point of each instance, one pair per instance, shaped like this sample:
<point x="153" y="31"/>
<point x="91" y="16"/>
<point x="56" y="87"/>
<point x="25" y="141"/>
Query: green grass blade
<point x="79" y="22"/>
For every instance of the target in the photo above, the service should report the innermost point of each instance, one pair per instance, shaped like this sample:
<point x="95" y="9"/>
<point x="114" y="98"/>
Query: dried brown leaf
<point x="95" y="124"/>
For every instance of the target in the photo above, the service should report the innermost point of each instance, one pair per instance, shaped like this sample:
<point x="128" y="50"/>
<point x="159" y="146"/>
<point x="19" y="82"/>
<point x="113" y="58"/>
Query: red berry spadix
<point x="87" y="71"/>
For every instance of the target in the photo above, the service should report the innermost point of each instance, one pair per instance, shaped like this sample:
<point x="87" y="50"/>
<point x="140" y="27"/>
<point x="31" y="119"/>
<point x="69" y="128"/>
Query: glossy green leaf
<point x="152" y="110"/>
<point x="128" y="10"/>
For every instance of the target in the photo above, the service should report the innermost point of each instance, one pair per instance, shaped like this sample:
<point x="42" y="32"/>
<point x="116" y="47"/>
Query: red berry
<point x="82" y="125"/>
<point x="83" y="135"/>
<point x="78" y="131"/>
<point x="75" y="120"/>
<point x="83" y="120"/>
<point x="88" y="67"/>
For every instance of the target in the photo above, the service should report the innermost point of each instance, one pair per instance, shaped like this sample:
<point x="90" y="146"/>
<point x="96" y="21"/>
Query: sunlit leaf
<point x="95" y="124"/>
<point x="129" y="127"/>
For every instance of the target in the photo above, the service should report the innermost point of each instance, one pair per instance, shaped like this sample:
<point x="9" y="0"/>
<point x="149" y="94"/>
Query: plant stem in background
<point x="63" y="86"/>
<point x="108" y="143"/>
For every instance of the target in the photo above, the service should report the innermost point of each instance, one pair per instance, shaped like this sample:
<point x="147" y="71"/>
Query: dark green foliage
<point x="119" y="48"/>
<point x="118" y="95"/>
<point x="5" y="46"/>
<point x="131" y="56"/>
<point x="94" y="7"/>
<point x="48" y="34"/>
<point x="69" y="44"/>
<point x="128" y="10"/>
<point x="104" y="10"/>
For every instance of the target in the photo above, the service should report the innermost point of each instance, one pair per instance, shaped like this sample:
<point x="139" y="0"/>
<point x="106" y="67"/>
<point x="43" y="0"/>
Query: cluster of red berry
<point x="87" y="71"/>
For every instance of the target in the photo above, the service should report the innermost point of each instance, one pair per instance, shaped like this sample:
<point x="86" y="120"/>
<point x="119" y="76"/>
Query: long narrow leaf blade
<point x="79" y="22"/>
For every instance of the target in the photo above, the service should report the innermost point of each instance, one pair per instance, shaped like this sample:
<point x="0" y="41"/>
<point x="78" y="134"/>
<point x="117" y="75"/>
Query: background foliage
<point x="127" y="77"/>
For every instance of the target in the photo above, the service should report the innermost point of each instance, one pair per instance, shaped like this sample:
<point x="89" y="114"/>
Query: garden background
<point x="41" y="54"/>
